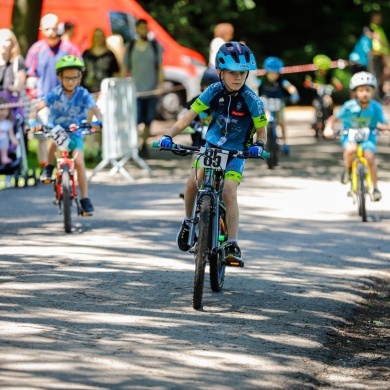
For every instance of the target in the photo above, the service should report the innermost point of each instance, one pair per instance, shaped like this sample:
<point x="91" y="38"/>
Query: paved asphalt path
<point x="109" y="305"/>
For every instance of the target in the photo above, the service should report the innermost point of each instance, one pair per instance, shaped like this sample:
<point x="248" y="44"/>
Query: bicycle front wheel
<point x="66" y="200"/>
<point x="217" y="263"/>
<point x="362" y="193"/>
<point x="202" y="250"/>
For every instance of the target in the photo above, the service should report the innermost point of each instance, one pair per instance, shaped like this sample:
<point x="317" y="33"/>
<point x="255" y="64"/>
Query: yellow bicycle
<point x="361" y="183"/>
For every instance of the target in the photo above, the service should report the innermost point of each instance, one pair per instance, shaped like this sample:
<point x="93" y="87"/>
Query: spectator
<point x="223" y="32"/>
<point x="143" y="59"/>
<point x="41" y="60"/>
<point x="69" y="31"/>
<point x="360" y="54"/>
<point x="13" y="74"/>
<point x="100" y="63"/>
<point x="379" y="56"/>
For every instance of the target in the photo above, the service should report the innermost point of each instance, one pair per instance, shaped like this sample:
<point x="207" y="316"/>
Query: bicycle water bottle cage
<point x="60" y="137"/>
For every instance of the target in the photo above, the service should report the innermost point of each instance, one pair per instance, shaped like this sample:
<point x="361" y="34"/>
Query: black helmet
<point x="209" y="77"/>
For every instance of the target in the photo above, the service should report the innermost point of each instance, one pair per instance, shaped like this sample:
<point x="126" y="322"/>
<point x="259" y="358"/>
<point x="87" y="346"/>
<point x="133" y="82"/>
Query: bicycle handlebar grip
<point x="265" y="154"/>
<point x="155" y="145"/>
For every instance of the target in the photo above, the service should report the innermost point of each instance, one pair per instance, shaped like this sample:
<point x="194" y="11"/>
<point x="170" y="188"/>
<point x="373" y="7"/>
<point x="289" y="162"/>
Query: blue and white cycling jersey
<point x="234" y="117"/>
<point x="65" y="111"/>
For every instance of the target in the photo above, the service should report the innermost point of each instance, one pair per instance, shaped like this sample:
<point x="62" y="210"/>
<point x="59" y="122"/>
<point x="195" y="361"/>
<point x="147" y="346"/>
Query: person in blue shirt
<point x="360" y="54"/>
<point x="238" y="117"/>
<point x="69" y="104"/>
<point x="274" y="85"/>
<point x="362" y="111"/>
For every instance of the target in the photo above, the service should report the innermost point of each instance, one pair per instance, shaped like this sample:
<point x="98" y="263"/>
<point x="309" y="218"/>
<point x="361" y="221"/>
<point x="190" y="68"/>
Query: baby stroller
<point x="16" y="173"/>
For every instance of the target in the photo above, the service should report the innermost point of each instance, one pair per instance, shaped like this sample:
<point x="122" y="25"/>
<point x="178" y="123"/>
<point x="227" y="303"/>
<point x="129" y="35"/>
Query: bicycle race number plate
<point x="272" y="104"/>
<point x="358" y="135"/>
<point x="213" y="158"/>
<point x="60" y="137"/>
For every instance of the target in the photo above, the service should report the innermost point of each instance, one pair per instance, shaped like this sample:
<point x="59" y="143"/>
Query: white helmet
<point x="362" y="78"/>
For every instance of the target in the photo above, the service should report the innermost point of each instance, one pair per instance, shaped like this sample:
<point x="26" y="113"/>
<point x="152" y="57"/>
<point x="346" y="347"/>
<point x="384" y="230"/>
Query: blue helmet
<point x="209" y="77"/>
<point x="236" y="57"/>
<point x="273" y="64"/>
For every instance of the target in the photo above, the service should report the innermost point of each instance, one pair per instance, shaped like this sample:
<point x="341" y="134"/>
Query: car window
<point x="123" y="24"/>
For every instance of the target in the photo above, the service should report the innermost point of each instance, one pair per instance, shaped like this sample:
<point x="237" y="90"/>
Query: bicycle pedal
<point x="47" y="181"/>
<point x="233" y="262"/>
<point x="84" y="214"/>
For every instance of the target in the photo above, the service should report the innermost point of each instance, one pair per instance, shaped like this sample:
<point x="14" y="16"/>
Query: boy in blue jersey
<point x="237" y="116"/>
<point x="360" y="112"/>
<point x="69" y="104"/>
<point x="274" y="85"/>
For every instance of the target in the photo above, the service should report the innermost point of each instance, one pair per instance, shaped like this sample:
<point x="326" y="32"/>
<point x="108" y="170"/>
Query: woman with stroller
<point x="12" y="68"/>
<point x="12" y="85"/>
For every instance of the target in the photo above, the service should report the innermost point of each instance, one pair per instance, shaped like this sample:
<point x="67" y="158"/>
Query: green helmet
<point x="69" y="62"/>
<point x="321" y="61"/>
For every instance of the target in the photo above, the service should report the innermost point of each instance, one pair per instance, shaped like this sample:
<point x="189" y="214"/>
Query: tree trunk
<point x="26" y="16"/>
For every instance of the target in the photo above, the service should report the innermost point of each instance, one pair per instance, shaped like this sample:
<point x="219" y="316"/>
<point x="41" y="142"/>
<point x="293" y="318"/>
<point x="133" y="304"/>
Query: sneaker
<point x="376" y="194"/>
<point x="232" y="251"/>
<point x="47" y="173"/>
<point x="345" y="176"/>
<point x="285" y="150"/>
<point x="182" y="237"/>
<point x="86" y="205"/>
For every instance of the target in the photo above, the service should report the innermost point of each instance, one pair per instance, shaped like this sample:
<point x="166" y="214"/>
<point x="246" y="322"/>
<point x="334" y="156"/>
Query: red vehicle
<point x="182" y="66"/>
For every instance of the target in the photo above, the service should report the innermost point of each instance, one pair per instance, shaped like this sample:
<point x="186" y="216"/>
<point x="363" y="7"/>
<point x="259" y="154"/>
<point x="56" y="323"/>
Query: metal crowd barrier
<point x="120" y="132"/>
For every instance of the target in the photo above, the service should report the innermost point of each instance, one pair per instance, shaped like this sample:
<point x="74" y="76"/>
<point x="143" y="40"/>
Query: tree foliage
<point x="294" y="30"/>
<point x="25" y="22"/>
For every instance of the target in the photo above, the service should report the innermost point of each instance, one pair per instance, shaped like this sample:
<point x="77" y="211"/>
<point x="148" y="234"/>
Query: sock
<point x="235" y="240"/>
<point x="43" y="164"/>
<point x="187" y="220"/>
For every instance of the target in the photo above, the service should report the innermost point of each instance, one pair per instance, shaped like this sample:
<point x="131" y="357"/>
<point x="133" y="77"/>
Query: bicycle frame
<point x="359" y="160"/>
<point x="212" y="187"/>
<point x="65" y="161"/>
<point x="361" y="182"/>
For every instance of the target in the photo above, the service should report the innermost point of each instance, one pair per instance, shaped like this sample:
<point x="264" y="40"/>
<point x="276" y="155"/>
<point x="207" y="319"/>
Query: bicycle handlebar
<point x="185" y="150"/>
<point x="87" y="128"/>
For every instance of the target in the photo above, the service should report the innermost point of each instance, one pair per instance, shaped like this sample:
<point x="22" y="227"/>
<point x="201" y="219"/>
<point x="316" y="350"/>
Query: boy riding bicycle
<point x="237" y="114"/>
<point x="274" y="85"/>
<point x="68" y="104"/>
<point x="363" y="111"/>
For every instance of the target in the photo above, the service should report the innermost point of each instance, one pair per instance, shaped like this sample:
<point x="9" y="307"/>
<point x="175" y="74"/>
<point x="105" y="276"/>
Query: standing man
<point x="223" y="32"/>
<point x="143" y="60"/>
<point x="41" y="60"/>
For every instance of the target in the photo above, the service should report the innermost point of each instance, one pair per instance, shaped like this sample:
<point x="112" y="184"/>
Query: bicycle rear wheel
<point x="217" y="263"/>
<point x="66" y="200"/>
<point x="362" y="193"/>
<point x="272" y="145"/>
<point x="202" y="250"/>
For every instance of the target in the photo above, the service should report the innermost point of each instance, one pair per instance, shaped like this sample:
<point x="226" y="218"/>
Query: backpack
<point x="155" y="49"/>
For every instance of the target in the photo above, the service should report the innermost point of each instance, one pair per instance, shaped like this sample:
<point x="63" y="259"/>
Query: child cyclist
<point x="274" y="85"/>
<point x="69" y="104"/>
<point x="237" y="115"/>
<point x="362" y="111"/>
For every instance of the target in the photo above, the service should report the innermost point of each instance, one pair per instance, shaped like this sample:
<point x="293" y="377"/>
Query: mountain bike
<point x="65" y="183"/>
<point x="361" y="183"/>
<point x="208" y="232"/>
<point x="272" y="107"/>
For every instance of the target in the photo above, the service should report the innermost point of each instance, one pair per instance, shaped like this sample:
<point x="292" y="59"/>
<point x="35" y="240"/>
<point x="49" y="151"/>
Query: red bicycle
<point x="65" y="183"/>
